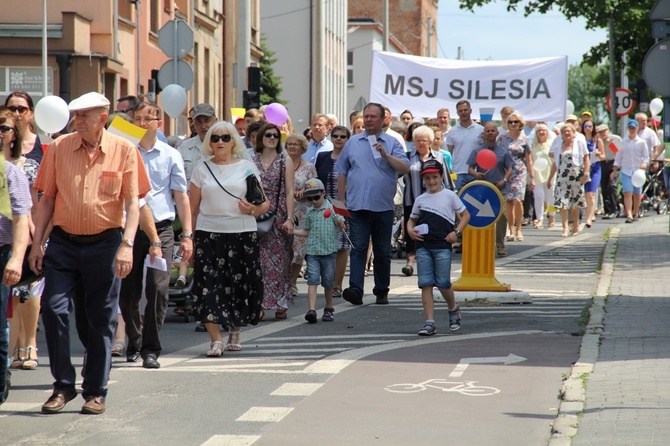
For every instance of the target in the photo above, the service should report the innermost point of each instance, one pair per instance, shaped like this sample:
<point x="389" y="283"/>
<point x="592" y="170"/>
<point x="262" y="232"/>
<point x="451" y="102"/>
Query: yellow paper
<point x="237" y="113"/>
<point x="124" y="129"/>
<point x="5" y="205"/>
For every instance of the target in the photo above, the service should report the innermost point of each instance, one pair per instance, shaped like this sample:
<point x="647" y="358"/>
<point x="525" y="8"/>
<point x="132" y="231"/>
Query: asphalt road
<point x="365" y="378"/>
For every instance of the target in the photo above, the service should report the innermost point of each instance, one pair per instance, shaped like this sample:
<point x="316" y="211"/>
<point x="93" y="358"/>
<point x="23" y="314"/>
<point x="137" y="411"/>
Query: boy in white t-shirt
<point x="431" y="225"/>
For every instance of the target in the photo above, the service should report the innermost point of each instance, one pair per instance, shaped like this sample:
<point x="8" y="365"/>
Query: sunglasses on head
<point x="314" y="197"/>
<point x="272" y="135"/>
<point x="5" y="128"/>
<point x="20" y="109"/>
<point x="217" y="138"/>
<point x="338" y="136"/>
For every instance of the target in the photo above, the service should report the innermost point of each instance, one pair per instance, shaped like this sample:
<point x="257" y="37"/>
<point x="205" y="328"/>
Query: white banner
<point x="536" y="88"/>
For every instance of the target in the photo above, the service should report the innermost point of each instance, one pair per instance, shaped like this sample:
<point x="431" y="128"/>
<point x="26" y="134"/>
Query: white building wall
<point x="311" y="82"/>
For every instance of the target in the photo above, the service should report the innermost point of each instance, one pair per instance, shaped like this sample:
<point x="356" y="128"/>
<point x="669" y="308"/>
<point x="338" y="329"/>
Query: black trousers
<point x="144" y="336"/>
<point x="608" y="188"/>
<point x="67" y="263"/>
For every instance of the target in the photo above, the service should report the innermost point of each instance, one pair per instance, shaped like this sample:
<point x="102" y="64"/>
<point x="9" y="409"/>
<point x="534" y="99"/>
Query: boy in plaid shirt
<point x="321" y="228"/>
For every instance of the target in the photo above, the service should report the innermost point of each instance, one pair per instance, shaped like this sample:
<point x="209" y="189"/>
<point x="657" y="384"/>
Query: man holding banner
<point x="368" y="170"/>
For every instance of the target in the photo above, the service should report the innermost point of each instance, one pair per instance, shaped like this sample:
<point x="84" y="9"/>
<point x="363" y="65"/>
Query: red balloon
<point x="326" y="213"/>
<point x="486" y="159"/>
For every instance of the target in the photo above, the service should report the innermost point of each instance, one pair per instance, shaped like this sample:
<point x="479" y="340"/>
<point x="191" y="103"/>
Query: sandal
<point x="179" y="311"/>
<point x="234" y="346"/>
<point x="427" y="330"/>
<point x="294" y="291"/>
<point x="502" y="253"/>
<point x="510" y="238"/>
<point x="30" y="363"/>
<point x="261" y="317"/>
<point x="337" y="292"/>
<point x="19" y="357"/>
<point x="281" y="314"/>
<point x="215" y="349"/>
<point x="117" y="348"/>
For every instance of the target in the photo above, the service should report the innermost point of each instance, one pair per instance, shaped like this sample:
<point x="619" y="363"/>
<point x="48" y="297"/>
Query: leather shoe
<point x="58" y="400"/>
<point x="133" y="356"/>
<point x="95" y="405"/>
<point x="150" y="362"/>
<point x="382" y="299"/>
<point x="353" y="296"/>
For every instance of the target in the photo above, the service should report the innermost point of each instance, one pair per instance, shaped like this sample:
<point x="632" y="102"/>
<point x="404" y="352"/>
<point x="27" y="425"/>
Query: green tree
<point x="588" y="86"/>
<point x="632" y="27"/>
<point x="270" y="82"/>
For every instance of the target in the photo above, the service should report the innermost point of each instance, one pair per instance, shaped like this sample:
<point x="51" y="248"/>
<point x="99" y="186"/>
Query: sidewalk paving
<point x="625" y="357"/>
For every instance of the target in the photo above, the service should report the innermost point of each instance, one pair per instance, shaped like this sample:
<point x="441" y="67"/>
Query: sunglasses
<point x="338" y="136"/>
<point x="20" y="109"/>
<point x="217" y="138"/>
<point x="314" y="198"/>
<point x="513" y="122"/>
<point x="588" y="126"/>
<point x="272" y="135"/>
<point x="5" y="128"/>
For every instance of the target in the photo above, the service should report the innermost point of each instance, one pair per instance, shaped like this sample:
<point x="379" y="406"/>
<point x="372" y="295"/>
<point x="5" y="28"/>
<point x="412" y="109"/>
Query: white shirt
<point x="632" y="155"/>
<point x="651" y="138"/>
<point x="465" y="141"/>
<point x="190" y="152"/>
<point x="397" y="136"/>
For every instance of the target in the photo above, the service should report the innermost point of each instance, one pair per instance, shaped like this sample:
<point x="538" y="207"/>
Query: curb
<point x="573" y="391"/>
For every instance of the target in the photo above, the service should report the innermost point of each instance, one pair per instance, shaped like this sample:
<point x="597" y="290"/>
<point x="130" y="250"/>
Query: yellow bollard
<point x="484" y="202"/>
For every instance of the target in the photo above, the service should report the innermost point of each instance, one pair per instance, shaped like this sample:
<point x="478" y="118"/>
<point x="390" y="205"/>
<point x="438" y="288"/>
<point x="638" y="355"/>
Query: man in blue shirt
<point x="168" y="179"/>
<point x="319" y="143"/>
<point x="368" y="169"/>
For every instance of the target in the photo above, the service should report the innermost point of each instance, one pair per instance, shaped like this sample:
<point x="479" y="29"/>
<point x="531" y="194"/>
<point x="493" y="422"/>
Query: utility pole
<point x="45" y="71"/>
<point x="243" y="47"/>
<point x="613" y="120"/>
<point x="387" y="25"/>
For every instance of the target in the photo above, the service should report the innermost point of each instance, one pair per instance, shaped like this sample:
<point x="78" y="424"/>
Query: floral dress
<point x="569" y="192"/>
<point x="277" y="247"/>
<point x="516" y="185"/>
<point x="303" y="172"/>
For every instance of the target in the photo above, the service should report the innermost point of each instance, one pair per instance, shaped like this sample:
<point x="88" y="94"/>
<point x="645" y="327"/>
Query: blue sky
<point x="495" y="34"/>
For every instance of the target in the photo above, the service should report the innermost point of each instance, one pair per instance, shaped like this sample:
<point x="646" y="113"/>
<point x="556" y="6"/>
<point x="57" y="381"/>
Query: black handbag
<point x="255" y="193"/>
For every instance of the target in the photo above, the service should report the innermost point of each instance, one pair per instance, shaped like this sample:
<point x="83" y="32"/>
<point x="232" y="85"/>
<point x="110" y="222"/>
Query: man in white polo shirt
<point x="462" y="140"/>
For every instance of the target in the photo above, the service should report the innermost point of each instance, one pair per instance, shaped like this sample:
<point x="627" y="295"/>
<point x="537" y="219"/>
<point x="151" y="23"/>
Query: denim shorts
<point x="434" y="267"/>
<point x="627" y="184"/>
<point x="321" y="267"/>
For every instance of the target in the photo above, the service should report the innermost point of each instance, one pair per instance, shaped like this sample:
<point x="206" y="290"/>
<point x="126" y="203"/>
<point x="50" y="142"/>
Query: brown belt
<point x="86" y="239"/>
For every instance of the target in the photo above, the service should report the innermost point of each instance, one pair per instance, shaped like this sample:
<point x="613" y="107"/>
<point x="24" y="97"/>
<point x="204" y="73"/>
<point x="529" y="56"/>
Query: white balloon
<point x="656" y="106"/>
<point x="569" y="107"/>
<point x="173" y="99"/>
<point x="638" y="178"/>
<point x="540" y="164"/>
<point x="51" y="114"/>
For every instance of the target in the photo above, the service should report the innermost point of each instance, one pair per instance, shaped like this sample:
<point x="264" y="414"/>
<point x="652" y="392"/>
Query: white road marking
<point x="232" y="440"/>
<point x="297" y="389"/>
<point x="465" y="362"/>
<point x="20" y="407"/>
<point x="225" y="360"/>
<point x="265" y="414"/>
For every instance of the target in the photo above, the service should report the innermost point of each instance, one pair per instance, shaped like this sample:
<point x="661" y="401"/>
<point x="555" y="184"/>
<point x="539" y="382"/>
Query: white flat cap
<point x="89" y="100"/>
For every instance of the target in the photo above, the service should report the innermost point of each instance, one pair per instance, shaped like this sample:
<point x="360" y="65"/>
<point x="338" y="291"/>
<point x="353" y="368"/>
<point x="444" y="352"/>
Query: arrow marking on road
<point x="465" y="362"/>
<point x="484" y="209"/>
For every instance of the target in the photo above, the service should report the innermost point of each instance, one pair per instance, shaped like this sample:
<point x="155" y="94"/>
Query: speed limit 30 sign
<point x="624" y="103"/>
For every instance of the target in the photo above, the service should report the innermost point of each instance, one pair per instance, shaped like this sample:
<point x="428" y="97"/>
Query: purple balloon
<point x="276" y="114"/>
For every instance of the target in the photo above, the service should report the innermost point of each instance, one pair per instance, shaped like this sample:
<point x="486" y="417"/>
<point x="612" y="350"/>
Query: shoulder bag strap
<point x="281" y="176"/>
<point x="217" y="181"/>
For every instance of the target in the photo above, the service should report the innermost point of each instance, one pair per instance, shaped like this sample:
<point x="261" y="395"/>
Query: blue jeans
<point x="434" y="267"/>
<point x="4" y="327"/>
<point x="321" y="268"/>
<point x="379" y="226"/>
<point x="462" y="179"/>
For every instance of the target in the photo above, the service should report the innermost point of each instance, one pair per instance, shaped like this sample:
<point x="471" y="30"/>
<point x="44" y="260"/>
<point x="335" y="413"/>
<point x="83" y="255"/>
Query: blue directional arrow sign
<point x="483" y="201"/>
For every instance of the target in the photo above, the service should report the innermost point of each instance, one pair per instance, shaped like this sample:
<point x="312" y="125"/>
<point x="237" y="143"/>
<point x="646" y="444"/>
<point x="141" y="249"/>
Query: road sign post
<point x="485" y="205"/>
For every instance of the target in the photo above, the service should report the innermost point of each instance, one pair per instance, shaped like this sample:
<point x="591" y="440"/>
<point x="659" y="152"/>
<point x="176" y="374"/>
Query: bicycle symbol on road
<point x="464" y="388"/>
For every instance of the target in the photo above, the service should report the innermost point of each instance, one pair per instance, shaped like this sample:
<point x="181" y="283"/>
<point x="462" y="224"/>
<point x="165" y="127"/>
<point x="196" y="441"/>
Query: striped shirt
<point x="90" y="194"/>
<point x="19" y="198"/>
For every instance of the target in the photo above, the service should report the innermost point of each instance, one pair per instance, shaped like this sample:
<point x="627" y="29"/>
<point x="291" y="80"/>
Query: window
<point x="350" y="68"/>
<point x="125" y="10"/>
<point x="154" y="16"/>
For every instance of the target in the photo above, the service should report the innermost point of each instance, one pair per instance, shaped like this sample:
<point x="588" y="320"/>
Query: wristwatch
<point x="458" y="233"/>
<point x="182" y="235"/>
<point x="128" y="242"/>
<point x="157" y="244"/>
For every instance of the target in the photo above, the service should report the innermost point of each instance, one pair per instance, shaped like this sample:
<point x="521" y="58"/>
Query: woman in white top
<point x="228" y="288"/>
<point x="541" y="144"/>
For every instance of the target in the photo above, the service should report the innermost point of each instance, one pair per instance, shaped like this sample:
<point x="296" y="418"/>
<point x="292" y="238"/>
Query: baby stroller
<point x="653" y="193"/>
<point x="180" y="296"/>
